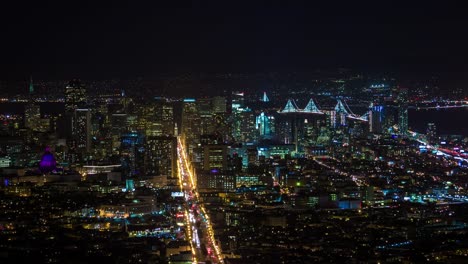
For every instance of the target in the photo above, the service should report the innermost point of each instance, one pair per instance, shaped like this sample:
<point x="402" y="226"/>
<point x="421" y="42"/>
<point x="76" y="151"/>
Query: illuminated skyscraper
<point x="403" y="111"/>
<point x="214" y="157"/>
<point x="204" y="105"/>
<point x="190" y="129"/>
<point x="75" y="95"/>
<point x="218" y="104"/>
<point x="161" y="156"/>
<point x="82" y="129"/>
<point x="76" y="123"/>
<point x="32" y="115"/>
<point x="265" y="125"/>
<point x="31" y="87"/>
<point x="244" y="125"/>
<point x="158" y="118"/>
<point x="132" y="150"/>
<point x="376" y="118"/>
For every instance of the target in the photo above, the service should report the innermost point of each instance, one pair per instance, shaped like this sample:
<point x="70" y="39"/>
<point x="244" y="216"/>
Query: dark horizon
<point x="115" y="40"/>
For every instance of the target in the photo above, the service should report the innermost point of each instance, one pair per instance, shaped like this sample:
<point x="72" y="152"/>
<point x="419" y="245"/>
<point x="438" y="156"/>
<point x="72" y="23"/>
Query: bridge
<point x="421" y="138"/>
<point x="437" y="107"/>
<point x="439" y="104"/>
<point x="311" y="108"/>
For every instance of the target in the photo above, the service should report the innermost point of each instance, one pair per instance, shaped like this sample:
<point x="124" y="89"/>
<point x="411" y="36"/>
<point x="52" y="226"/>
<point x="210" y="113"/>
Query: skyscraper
<point x="265" y="125"/>
<point x="32" y="115"/>
<point x="31" y="86"/>
<point x="82" y="129"/>
<point x="190" y="129"/>
<point x="376" y="118"/>
<point x="75" y="95"/>
<point x="218" y="104"/>
<point x="161" y="156"/>
<point x="403" y="111"/>
<point x="77" y="120"/>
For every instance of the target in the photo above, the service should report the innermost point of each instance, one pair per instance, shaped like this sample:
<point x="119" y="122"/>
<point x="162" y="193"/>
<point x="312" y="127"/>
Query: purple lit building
<point x="47" y="163"/>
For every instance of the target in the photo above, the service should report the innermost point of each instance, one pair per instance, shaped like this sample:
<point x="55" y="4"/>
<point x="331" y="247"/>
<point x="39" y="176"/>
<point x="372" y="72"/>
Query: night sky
<point x="65" y="39"/>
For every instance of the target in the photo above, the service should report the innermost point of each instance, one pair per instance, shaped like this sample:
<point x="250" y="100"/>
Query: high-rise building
<point x="219" y="104"/>
<point x="31" y="87"/>
<point x="161" y="156"/>
<point x="265" y="125"/>
<point x="118" y="123"/>
<point x="190" y="129"/>
<point x="132" y="153"/>
<point x="215" y="157"/>
<point x="207" y="126"/>
<point x="75" y="95"/>
<point x="165" y="112"/>
<point x="82" y="129"/>
<point x="244" y="125"/>
<point x="158" y="118"/>
<point x="376" y="118"/>
<point x="403" y="111"/>
<point x="32" y="115"/>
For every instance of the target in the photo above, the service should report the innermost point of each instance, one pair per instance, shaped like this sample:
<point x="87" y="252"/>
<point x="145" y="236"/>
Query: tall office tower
<point x="285" y="130"/>
<point x="118" y="123"/>
<point x="376" y="118"/>
<point x="31" y="87"/>
<point x="32" y="115"/>
<point x="165" y="112"/>
<point x="75" y="98"/>
<point x="145" y="120"/>
<point x="158" y="118"/>
<point x="237" y="100"/>
<point x="215" y="157"/>
<point x="75" y="95"/>
<point x="82" y="129"/>
<point x="132" y="153"/>
<point x="244" y="125"/>
<point x="403" y="111"/>
<point x="218" y="105"/>
<point x="190" y="127"/>
<point x="206" y="116"/>
<point x="265" y="124"/>
<point x="431" y="133"/>
<point x="310" y="131"/>
<point x="161" y="156"/>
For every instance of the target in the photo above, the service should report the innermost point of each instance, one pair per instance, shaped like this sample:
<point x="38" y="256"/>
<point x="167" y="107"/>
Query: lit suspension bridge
<point x="311" y="108"/>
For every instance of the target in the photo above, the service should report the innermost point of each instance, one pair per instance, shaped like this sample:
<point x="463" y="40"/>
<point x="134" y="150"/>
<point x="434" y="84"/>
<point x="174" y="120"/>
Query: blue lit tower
<point x="265" y="125"/>
<point x="132" y="151"/>
<point x="376" y="118"/>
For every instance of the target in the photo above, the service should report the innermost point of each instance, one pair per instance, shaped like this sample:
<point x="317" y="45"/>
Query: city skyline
<point x="223" y="133"/>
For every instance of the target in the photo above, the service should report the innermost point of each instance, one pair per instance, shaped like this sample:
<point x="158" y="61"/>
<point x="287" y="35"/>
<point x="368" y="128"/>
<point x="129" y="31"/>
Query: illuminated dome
<point x="47" y="163"/>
